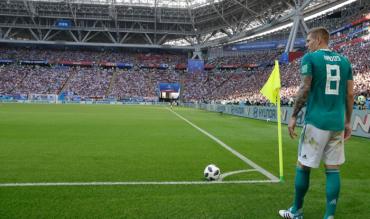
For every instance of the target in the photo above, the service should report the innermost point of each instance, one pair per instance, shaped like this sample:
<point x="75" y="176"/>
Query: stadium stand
<point x="127" y="75"/>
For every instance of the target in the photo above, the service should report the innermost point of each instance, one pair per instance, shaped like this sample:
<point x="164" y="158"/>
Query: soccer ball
<point x="212" y="172"/>
<point x="361" y="100"/>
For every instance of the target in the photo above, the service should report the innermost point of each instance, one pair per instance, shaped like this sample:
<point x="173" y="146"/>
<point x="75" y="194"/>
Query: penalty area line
<point x="227" y="147"/>
<point x="44" y="184"/>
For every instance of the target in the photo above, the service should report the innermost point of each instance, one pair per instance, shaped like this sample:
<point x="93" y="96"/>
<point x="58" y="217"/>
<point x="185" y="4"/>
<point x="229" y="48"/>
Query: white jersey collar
<point x="328" y="50"/>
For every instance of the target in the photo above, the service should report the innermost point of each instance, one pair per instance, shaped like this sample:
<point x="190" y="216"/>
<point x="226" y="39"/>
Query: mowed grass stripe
<point x="79" y="143"/>
<point x="227" y="147"/>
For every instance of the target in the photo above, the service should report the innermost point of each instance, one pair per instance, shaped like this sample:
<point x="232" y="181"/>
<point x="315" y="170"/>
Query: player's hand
<point x="347" y="131"/>
<point x="291" y="127"/>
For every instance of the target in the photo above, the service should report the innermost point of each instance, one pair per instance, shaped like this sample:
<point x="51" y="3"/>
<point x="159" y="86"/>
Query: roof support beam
<point x="33" y="34"/>
<point x="192" y="18"/>
<point x="10" y="28"/>
<point x="160" y="41"/>
<point x="74" y="15"/>
<point x="156" y="18"/>
<point x="126" y="35"/>
<point x="148" y="38"/>
<point x="304" y="4"/>
<point x="113" y="14"/>
<point x="298" y="23"/>
<point x="73" y="36"/>
<point x="221" y="16"/>
<point x="7" y="32"/>
<point x="111" y="37"/>
<point x="92" y="36"/>
<point x="85" y="37"/>
<point x="223" y="30"/>
<point x="53" y="35"/>
<point x="32" y="13"/>
<point x="246" y="7"/>
<point x="47" y="34"/>
<point x="209" y="36"/>
<point x="30" y="8"/>
<point x="124" y="38"/>
<point x="108" y="33"/>
<point x="191" y="41"/>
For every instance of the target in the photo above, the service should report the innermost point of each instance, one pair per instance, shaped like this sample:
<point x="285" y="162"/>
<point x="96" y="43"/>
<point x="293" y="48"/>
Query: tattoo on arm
<point x="302" y="95"/>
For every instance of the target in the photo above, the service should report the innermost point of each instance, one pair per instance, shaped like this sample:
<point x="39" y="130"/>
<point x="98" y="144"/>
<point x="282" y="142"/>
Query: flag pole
<point x="280" y="139"/>
<point x="271" y="90"/>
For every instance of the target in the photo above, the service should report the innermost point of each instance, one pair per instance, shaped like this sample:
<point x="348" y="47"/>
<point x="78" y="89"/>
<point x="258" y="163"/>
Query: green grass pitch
<point x="114" y="143"/>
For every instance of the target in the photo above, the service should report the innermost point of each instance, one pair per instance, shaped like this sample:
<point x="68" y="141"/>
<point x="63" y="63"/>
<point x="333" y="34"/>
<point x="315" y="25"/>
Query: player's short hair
<point x="320" y="32"/>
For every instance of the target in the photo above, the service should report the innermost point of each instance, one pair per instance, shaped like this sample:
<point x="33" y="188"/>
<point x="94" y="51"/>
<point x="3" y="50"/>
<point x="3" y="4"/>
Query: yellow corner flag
<point x="271" y="90"/>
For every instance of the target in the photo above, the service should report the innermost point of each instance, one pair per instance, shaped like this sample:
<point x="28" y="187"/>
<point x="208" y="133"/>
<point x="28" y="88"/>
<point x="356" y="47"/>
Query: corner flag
<point x="271" y="90"/>
<point x="272" y="87"/>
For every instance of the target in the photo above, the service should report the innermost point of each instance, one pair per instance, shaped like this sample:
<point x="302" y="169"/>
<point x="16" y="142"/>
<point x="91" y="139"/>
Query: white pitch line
<point x="39" y="184"/>
<point x="224" y="175"/>
<point x="239" y="155"/>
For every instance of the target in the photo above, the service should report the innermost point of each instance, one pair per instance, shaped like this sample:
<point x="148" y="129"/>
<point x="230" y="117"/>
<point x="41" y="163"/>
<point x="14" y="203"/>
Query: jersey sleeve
<point x="306" y="65"/>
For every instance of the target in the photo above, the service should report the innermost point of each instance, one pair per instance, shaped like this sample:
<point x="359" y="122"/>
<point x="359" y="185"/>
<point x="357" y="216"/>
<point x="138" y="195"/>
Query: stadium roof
<point x="144" y="23"/>
<point x="148" y="3"/>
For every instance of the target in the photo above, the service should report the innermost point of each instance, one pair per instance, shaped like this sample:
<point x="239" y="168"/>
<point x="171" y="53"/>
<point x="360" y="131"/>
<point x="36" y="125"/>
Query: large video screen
<point x="195" y="66"/>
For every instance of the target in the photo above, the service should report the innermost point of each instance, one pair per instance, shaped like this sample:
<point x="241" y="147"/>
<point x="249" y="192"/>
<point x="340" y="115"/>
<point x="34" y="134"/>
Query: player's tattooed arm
<point x="302" y="94"/>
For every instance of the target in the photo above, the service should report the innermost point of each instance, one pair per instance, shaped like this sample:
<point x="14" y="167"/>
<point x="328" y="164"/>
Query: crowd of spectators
<point x="235" y="85"/>
<point x="245" y="88"/>
<point x="89" y="82"/>
<point x="360" y="59"/>
<point x="140" y="83"/>
<point x="10" y="77"/>
<point x="249" y="58"/>
<point x="41" y="80"/>
<point x="96" y="57"/>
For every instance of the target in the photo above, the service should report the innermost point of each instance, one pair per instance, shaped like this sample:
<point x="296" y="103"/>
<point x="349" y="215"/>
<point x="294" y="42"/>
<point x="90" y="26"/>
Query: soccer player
<point x="327" y="88"/>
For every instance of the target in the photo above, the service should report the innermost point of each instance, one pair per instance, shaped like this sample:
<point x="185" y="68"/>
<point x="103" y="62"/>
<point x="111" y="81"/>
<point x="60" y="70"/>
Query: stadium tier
<point x="94" y="75"/>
